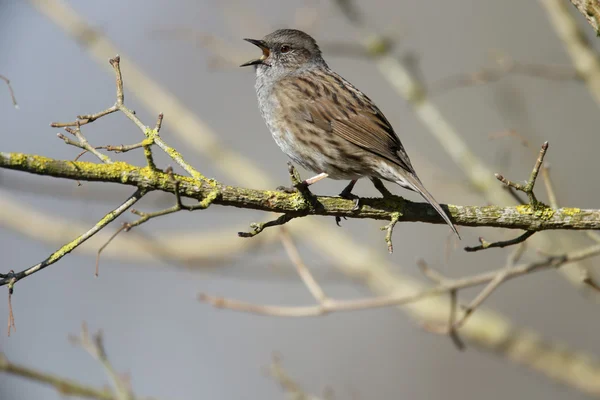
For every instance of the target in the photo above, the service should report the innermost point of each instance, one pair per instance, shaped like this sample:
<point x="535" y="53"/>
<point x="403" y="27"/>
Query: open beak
<point x="263" y="47"/>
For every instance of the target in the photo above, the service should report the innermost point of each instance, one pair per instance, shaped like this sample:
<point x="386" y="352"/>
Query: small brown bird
<point x="322" y="122"/>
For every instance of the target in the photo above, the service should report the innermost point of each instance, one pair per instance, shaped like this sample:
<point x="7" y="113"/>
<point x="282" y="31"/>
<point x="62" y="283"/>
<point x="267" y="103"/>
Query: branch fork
<point x="535" y="206"/>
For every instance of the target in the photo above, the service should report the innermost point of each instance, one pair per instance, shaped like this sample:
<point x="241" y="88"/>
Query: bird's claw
<point x="350" y="196"/>
<point x="303" y="189"/>
<point x="338" y="219"/>
<point x="286" y="189"/>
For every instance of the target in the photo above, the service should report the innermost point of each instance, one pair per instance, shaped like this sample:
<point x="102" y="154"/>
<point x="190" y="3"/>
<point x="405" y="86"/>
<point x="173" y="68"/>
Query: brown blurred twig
<point x="64" y="386"/>
<point x="10" y="90"/>
<point x="93" y="343"/>
<point x="291" y="388"/>
<point x="505" y="66"/>
<point x="328" y="305"/>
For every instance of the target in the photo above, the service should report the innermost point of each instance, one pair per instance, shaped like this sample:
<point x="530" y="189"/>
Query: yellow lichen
<point x="524" y="209"/>
<point x="571" y="211"/>
<point x="544" y="213"/>
<point x="541" y="211"/>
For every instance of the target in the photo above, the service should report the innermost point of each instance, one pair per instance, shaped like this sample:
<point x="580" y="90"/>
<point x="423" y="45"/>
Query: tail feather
<point x="417" y="186"/>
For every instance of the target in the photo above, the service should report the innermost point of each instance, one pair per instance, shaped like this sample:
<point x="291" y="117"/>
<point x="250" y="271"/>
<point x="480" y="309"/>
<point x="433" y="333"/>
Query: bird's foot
<point x="350" y="196"/>
<point x="299" y="186"/>
<point x="347" y="194"/>
<point x="381" y="187"/>
<point x="286" y="189"/>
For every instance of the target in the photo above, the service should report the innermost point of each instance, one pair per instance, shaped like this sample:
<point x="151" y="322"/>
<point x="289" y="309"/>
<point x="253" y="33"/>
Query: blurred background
<point x="144" y="300"/>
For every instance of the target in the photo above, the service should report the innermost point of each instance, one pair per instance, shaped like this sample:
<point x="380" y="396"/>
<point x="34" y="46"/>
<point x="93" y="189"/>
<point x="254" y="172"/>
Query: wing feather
<point x="340" y="109"/>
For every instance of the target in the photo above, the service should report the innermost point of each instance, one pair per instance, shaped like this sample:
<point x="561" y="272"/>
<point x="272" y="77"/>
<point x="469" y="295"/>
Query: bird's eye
<point x="285" y="48"/>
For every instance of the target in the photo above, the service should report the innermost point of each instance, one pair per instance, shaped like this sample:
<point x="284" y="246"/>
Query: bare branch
<point x="11" y="91"/>
<point x="11" y="278"/>
<point x="287" y="383"/>
<point x="389" y="228"/>
<point x="64" y="386"/>
<point x="528" y="187"/>
<point x="11" y="315"/>
<point x="94" y="345"/>
<point x="505" y="67"/>
<point x="83" y="143"/>
<point x="259" y="227"/>
<point x="549" y="187"/>
<point x="533" y="203"/>
<point x="304" y="273"/>
<point x="501" y="244"/>
<point x="551" y="262"/>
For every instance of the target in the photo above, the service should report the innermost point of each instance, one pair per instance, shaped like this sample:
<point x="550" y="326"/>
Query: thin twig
<point x="304" y="273"/>
<point x="64" y="386"/>
<point x="258" y="227"/>
<point x="500" y="244"/>
<point x="511" y="133"/>
<point x="122" y="148"/>
<point x="94" y="345"/>
<point x="11" y="91"/>
<point x="291" y="388"/>
<point x="11" y="315"/>
<point x="528" y="187"/>
<point x="552" y="200"/>
<point x="83" y="143"/>
<point x="492" y="285"/>
<point x="551" y="262"/>
<point x="85" y="119"/>
<point x="505" y="67"/>
<point x="123" y="227"/>
<point x="450" y="327"/>
<point x="67" y="248"/>
<point x="145" y="217"/>
<point x="389" y="228"/>
<point x="430" y="273"/>
<point x="453" y="332"/>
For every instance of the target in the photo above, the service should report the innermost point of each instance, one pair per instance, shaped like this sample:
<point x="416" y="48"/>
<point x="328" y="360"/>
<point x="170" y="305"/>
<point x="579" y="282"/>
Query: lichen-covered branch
<point x="13" y="277"/>
<point x="64" y="386"/>
<point x="591" y="11"/>
<point x="520" y="217"/>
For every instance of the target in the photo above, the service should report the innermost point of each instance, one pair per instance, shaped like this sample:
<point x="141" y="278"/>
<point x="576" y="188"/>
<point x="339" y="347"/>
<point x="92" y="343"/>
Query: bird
<point x="323" y="122"/>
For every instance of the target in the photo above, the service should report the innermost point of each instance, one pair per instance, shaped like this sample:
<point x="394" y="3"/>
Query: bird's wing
<point x="331" y="103"/>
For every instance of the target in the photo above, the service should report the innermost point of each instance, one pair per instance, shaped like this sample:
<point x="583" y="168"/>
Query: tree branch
<point x="520" y="217"/>
<point x="332" y="305"/>
<point x="591" y="11"/>
<point x="11" y="278"/>
<point x="64" y="386"/>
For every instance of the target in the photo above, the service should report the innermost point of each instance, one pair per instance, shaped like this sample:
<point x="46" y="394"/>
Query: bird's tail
<point x="411" y="181"/>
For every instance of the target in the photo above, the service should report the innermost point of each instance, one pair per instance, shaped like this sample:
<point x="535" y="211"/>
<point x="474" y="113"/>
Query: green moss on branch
<point x="519" y="217"/>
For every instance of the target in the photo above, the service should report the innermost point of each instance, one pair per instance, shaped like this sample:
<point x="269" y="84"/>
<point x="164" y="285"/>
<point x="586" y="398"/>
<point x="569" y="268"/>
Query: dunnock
<point x="322" y="122"/>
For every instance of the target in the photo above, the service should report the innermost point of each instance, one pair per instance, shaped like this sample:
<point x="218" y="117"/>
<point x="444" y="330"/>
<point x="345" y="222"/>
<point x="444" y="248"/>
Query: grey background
<point x="174" y="347"/>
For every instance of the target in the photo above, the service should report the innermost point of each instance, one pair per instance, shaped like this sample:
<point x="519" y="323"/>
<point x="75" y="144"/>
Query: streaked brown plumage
<point x="322" y="121"/>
